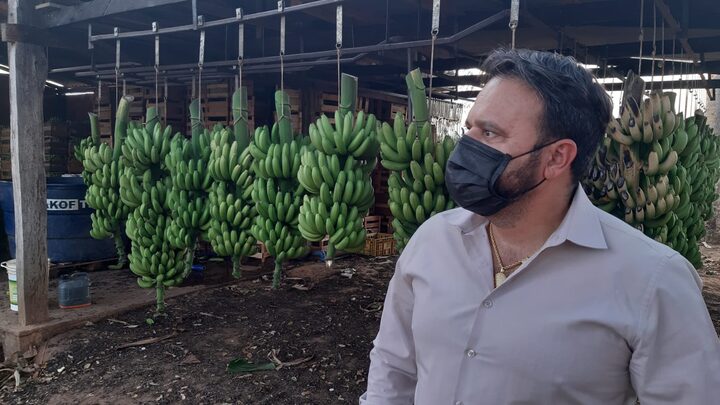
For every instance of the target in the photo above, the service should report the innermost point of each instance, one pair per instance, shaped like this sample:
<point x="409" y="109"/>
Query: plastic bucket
<point x="12" y="282"/>
<point x="11" y="268"/>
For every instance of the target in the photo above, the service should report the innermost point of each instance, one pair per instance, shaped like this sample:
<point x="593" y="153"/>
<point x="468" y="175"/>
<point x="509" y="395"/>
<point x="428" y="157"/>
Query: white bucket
<point x="12" y="283"/>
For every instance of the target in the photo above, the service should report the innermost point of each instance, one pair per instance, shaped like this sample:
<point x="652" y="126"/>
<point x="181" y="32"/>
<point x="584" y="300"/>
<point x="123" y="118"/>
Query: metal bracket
<point x="117" y="49"/>
<point x="514" y="13"/>
<point x="435" y="17"/>
<point x="201" y="57"/>
<point x="157" y="45"/>
<point x="90" y="43"/>
<point x="339" y="26"/>
<point x="200" y="21"/>
<point x="282" y="35"/>
<point x="281" y="5"/>
<point x="241" y="34"/>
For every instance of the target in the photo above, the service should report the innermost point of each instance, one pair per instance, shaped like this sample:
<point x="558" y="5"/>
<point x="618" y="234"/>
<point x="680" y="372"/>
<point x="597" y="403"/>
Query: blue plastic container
<point x="74" y="290"/>
<point x="68" y="222"/>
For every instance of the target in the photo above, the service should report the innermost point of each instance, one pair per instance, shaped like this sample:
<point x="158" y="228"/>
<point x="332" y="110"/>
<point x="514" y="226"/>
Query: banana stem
<point x="160" y="294"/>
<point x="120" y="248"/>
<point x="237" y="273"/>
<point x="282" y="108"/>
<point x="94" y="129"/>
<point x="330" y="254"/>
<point x="151" y="119"/>
<point x="348" y="94"/>
<point x="122" y="118"/>
<point x="416" y="88"/>
<point x="276" y="275"/>
<point x="195" y="124"/>
<point x="240" y="118"/>
<point x="189" y="258"/>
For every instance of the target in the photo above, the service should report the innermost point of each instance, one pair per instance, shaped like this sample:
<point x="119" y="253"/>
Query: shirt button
<point x="487" y="303"/>
<point x="470" y="353"/>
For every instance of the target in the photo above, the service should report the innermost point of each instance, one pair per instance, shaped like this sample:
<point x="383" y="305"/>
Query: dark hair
<point x="575" y="106"/>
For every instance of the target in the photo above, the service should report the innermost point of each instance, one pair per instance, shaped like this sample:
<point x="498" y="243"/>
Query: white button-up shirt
<point x="600" y="314"/>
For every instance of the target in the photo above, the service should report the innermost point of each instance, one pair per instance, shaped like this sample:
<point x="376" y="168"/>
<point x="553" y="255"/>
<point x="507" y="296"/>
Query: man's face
<point x="506" y="116"/>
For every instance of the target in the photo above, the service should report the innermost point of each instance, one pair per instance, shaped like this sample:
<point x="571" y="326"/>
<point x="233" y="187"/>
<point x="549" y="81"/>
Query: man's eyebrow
<point x="490" y="125"/>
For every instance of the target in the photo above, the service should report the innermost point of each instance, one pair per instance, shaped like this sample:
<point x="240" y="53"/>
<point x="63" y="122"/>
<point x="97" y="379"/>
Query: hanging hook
<point x="434" y="30"/>
<point x="338" y="41"/>
<point x="116" y="31"/>
<point x="201" y="60"/>
<point x="241" y="46"/>
<point x="157" y="60"/>
<point x="281" y="9"/>
<point x="514" y="18"/>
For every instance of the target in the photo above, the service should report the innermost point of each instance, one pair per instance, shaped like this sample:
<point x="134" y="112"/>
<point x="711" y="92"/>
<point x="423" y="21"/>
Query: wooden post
<point x="28" y="71"/>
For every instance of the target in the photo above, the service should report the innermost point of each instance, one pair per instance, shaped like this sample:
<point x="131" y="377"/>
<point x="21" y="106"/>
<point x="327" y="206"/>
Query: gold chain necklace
<point x="500" y="276"/>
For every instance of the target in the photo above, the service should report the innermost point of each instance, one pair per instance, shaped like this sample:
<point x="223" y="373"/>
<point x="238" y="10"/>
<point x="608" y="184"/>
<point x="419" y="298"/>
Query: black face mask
<point x="472" y="173"/>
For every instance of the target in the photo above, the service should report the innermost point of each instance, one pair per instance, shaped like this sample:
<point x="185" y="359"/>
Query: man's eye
<point x="488" y="133"/>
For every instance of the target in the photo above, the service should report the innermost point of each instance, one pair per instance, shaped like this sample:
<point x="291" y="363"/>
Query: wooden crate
<point x="379" y="244"/>
<point x="398" y="108"/>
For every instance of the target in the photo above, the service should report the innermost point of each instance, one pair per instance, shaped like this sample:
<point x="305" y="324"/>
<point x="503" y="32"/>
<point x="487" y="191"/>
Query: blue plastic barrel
<point x="68" y="222"/>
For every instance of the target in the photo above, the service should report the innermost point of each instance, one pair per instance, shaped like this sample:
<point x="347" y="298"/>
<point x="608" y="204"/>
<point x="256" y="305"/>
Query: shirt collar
<point x="580" y="226"/>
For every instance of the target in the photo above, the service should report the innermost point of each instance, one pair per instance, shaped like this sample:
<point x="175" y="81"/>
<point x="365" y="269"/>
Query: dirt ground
<point x="320" y="325"/>
<point x="325" y="321"/>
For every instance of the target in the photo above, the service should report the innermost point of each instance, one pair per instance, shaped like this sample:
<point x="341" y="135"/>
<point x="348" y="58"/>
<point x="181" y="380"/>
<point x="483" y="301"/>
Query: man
<point x="528" y="294"/>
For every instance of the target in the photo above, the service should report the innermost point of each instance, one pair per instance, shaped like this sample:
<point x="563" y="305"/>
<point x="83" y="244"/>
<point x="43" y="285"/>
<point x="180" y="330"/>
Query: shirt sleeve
<point x="676" y="356"/>
<point x="392" y="375"/>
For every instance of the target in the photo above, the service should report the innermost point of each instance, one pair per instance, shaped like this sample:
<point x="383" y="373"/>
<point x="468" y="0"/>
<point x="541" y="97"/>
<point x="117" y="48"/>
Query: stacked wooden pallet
<point x="56" y="141"/>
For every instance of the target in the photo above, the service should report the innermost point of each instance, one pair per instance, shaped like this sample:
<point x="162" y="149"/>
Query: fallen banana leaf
<point x="241" y="365"/>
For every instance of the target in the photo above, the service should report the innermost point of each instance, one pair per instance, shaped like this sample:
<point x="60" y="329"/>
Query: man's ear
<point x="562" y="155"/>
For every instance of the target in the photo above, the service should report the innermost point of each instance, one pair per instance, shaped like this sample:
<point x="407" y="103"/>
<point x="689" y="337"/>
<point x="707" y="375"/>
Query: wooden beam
<point x="28" y="71"/>
<point x="96" y="9"/>
<point x="37" y="36"/>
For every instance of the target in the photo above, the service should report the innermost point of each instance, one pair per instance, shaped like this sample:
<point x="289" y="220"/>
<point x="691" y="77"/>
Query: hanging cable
<point x="662" y="42"/>
<point x="99" y="97"/>
<point x="338" y="41"/>
<point x="117" y="66"/>
<point x="241" y="47"/>
<point x="673" y="62"/>
<point x="165" y="98"/>
<point x="157" y="61"/>
<point x="652" y="56"/>
<point x="201" y="61"/>
<point x="514" y="17"/>
<point x="434" y="30"/>
<point x="642" y="35"/>
<point x="281" y="8"/>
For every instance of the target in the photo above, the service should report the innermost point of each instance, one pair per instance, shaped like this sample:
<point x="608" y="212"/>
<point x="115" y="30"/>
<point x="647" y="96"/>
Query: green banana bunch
<point x="650" y="171"/>
<point x="417" y="182"/>
<point x="232" y="210"/>
<point x="187" y="163"/>
<point x="336" y="174"/>
<point x="276" y="191"/>
<point x="146" y="186"/>
<point x="102" y="167"/>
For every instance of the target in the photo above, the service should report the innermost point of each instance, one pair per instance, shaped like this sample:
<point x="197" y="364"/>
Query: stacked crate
<point x="56" y="149"/>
